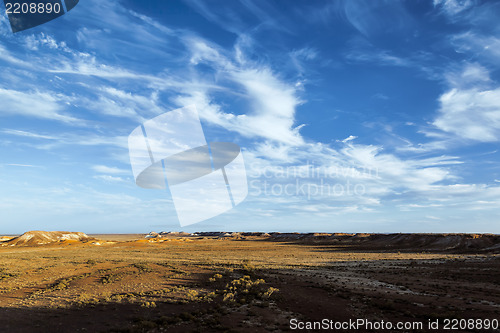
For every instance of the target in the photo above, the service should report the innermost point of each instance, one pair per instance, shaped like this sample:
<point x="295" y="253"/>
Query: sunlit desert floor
<point x="128" y="284"/>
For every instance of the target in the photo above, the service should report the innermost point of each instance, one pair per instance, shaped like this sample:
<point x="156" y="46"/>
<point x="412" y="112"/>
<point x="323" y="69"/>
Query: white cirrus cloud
<point x="109" y="179"/>
<point x="453" y="7"/>
<point x="28" y="134"/>
<point x="46" y="105"/>
<point x="109" y="170"/>
<point x="272" y="101"/>
<point x="471" y="114"/>
<point x="481" y="45"/>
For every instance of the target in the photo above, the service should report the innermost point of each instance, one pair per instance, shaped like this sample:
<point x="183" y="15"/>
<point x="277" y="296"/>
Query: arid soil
<point x="244" y="283"/>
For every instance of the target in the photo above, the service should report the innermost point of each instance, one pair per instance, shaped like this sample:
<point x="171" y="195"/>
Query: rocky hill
<point x="33" y="238"/>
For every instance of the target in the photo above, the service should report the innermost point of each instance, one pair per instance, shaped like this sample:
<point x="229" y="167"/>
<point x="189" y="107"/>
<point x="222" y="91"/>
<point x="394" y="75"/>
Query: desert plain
<point x="243" y="282"/>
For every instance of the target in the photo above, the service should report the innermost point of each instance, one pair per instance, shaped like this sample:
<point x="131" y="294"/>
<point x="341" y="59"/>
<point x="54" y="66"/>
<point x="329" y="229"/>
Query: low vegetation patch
<point x="245" y="290"/>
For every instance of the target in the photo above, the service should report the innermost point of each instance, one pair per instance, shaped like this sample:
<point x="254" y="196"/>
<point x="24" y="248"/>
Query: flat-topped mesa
<point x="410" y="242"/>
<point x="36" y="237"/>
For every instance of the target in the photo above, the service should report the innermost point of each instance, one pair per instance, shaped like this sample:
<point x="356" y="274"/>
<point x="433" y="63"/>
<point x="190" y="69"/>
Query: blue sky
<point x="353" y="116"/>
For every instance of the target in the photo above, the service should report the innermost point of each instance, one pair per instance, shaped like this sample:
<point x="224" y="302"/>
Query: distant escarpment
<point x="453" y="243"/>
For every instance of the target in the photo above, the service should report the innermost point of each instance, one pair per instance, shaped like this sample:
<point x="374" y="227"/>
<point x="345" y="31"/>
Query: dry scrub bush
<point x="245" y="290"/>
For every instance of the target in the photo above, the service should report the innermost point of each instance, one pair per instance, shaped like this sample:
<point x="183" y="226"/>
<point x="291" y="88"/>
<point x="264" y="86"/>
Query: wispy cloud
<point x="369" y="18"/>
<point x="21" y="165"/>
<point x="470" y="109"/>
<point x="229" y="18"/>
<point x="46" y="105"/>
<point x="68" y="139"/>
<point x="29" y="134"/>
<point x="35" y="42"/>
<point x="480" y="45"/>
<point x="273" y="101"/>
<point x="374" y="55"/>
<point x="349" y="138"/>
<point x="472" y="114"/>
<point x="8" y="57"/>
<point x="110" y="179"/>
<point x="468" y="75"/>
<point x="110" y="170"/>
<point x="453" y="7"/>
<point x="301" y="56"/>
